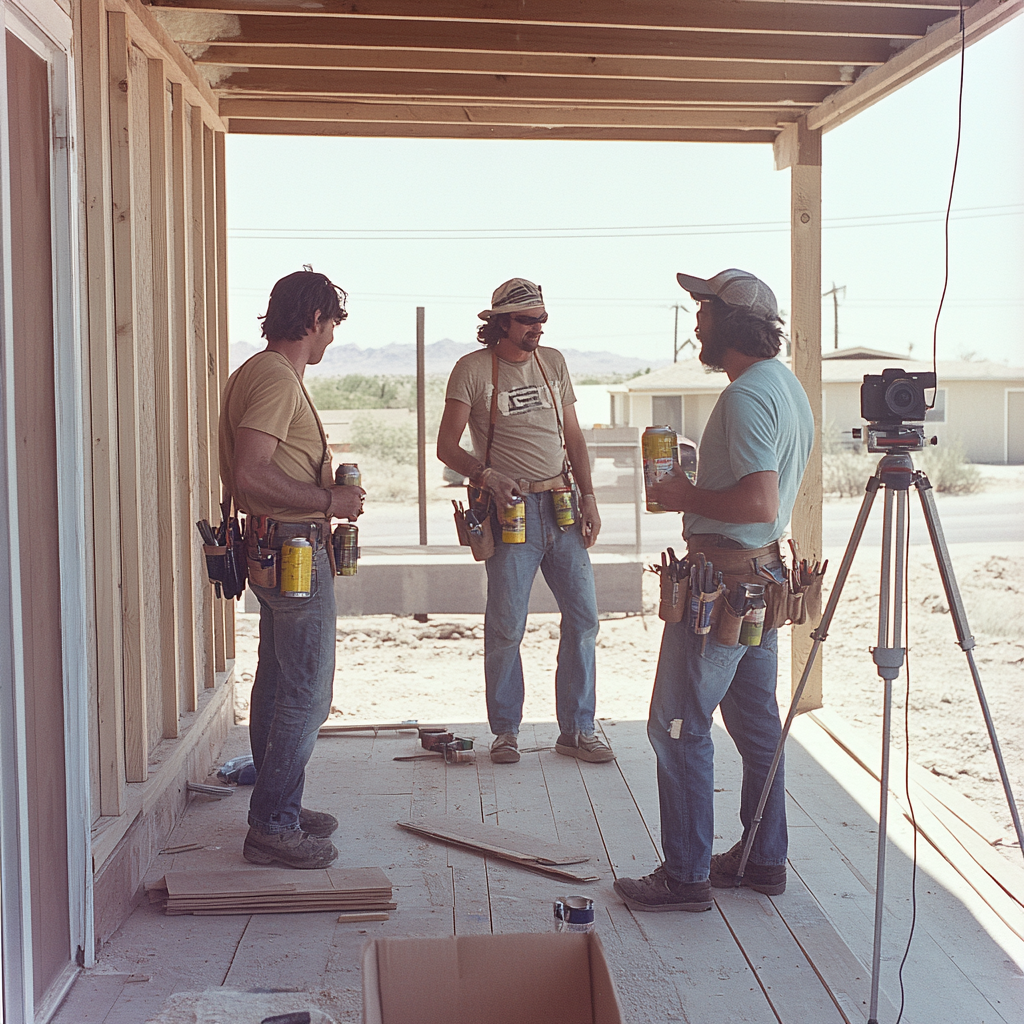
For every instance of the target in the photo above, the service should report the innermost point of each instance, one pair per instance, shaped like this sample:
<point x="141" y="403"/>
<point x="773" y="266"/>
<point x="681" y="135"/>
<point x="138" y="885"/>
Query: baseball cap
<point x="735" y="288"/>
<point x="513" y="296"/>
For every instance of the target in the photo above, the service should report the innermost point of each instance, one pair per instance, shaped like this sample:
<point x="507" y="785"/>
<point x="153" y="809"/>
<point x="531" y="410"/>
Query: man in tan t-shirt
<point x="536" y="438"/>
<point x="275" y="462"/>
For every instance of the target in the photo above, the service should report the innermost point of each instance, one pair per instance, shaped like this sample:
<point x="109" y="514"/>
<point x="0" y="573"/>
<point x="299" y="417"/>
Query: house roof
<point x="691" y="377"/>
<point x="674" y="70"/>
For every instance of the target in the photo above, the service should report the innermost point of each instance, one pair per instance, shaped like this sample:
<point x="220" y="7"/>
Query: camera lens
<point x="901" y="397"/>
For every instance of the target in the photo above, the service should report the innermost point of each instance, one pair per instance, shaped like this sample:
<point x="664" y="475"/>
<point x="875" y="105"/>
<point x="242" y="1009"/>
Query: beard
<point x="711" y="353"/>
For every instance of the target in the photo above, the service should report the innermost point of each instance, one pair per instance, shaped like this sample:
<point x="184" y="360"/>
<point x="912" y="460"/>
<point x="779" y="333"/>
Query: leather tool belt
<point x="730" y="560"/>
<point x="539" y="486"/>
<point x="271" y="533"/>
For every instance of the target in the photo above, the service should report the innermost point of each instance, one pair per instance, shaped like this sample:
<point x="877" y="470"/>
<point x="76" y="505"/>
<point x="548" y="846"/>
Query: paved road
<point x="994" y="517"/>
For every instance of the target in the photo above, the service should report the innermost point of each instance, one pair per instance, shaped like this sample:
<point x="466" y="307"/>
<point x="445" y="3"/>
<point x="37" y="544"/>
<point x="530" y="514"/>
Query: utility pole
<point x="834" y="292"/>
<point x="676" y="347"/>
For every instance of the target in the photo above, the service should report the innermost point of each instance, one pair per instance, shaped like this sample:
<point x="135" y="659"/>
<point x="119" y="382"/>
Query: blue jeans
<point x="689" y="686"/>
<point x="291" y="695"/>
<point x="511" y="570"/>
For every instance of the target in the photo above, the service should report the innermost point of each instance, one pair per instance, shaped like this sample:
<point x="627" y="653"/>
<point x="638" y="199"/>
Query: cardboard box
<point x="489" y="979"/>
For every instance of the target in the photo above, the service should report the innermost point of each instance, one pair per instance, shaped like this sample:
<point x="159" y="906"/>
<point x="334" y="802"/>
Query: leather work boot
<point x="585" y="747"/>
<point x="294" y="849"/>
<point x="505" y="749"/>
<point x="317" y="823"/>
<point x="657" y="892"/>
<point x="766" y="878"/>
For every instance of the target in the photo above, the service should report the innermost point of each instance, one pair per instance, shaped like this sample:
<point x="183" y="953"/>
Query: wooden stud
<point x="133" y="634"/>
<point x="201" y="375"/>
<point x="105" y="565"/>
<point x="802" y="148"/>
<point x="167" y="553"/>
<point x="212" y="349"/>
<point x="189" y="569"/>
<point x="223" y="347"/>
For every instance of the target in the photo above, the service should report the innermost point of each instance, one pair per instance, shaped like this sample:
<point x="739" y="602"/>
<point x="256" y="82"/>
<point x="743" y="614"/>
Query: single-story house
<point x="977" y="404"/>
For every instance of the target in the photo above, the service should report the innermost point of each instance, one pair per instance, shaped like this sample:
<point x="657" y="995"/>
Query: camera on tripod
<point x="887" y="400"/>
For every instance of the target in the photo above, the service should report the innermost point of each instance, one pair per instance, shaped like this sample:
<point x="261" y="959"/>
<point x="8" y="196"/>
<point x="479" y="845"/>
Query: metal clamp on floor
<point x="454" y="749"/>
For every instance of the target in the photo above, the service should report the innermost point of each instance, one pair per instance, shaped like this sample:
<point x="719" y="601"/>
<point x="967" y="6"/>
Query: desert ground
<point x="393" y="668"/>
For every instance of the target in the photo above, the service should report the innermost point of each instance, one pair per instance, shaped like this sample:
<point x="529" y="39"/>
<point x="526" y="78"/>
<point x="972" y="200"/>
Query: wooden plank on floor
<point x="949" y="974"/>
<point x="712" y="978"/>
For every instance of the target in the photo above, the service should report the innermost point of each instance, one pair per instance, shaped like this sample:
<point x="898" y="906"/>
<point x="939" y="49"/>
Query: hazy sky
<point x="603" y="227"/>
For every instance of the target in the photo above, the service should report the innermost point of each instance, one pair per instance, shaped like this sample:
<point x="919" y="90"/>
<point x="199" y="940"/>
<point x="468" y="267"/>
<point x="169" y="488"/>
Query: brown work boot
<point x="657" y="893"/>
<point x="317" y="823"/>
<point x="294" y="849"/>
<point x="767" y="878"/>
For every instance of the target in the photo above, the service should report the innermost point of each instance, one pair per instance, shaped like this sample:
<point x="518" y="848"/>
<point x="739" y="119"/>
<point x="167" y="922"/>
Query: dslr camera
<point x="894" y="396"/>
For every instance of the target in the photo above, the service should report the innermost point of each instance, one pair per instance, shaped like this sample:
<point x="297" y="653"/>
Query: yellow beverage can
<point x="660" y="454"/>
<point x="513" y="522"/>
<point x="296" y="568"/>
<point x="562" y="498"/>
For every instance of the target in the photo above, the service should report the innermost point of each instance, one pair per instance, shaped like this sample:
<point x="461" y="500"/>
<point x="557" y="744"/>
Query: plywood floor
<point x="796" y="959"/>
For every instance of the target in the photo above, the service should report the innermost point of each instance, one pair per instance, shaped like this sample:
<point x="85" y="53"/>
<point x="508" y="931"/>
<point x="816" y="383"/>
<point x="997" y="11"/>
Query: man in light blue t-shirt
<point x="752" y="457"/>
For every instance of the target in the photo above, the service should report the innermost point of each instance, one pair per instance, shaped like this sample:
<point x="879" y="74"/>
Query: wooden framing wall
<point x="152" y="168"/>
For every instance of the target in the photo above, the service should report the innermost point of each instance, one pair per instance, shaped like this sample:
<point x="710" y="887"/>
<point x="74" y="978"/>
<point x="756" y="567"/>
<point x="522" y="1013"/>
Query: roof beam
<point x="428" y="87"/>
<point x="980" y="19"/>
<point x="536" y="117"/>
<point x="908" y="19"/>
<point x="373" y="129"/>
<point x="343" y="58"/>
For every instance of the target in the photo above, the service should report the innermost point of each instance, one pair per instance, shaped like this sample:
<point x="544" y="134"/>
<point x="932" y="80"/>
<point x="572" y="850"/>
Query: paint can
<point x="660" y="453"/>
<point x="296" y="568"/>
<point x="346" y="548"/>
<point x="513" y="522"/>
<point x="574" y="914"/>
<point x="564" y="515"/>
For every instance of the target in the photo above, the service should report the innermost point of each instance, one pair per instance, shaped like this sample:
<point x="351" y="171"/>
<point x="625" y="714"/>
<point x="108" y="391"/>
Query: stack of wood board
<point x="272" y="891"/>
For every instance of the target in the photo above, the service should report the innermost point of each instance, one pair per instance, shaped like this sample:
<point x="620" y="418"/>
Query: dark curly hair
<point x="746" y="332"/>
<point x="294" y="302"/>
<point x="490" y="332"/>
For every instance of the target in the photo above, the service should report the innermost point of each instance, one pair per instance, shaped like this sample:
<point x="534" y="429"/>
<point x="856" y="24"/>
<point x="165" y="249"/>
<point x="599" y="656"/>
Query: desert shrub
<point x="844" y="470"/>
<point x="358" y="391"/>
<point x="948" y="470"/>
<point x="385" y="442"/>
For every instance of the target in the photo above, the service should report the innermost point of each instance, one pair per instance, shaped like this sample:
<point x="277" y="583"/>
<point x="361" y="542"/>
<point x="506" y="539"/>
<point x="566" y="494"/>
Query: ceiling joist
<point x="674" y="70"/>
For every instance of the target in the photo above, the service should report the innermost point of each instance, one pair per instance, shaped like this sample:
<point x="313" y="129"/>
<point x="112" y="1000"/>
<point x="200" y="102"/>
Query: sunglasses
<point x="529" y="321"/>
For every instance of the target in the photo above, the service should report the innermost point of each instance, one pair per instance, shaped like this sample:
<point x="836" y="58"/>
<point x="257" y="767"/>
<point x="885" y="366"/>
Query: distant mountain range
<point x="440" y="357"/>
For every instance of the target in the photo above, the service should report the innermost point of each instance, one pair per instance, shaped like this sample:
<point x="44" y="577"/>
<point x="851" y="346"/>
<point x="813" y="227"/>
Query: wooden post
<point x="166" y="547"/>
<point x="201" y="377"/>
<point x="189" y="568"/>
<point x="223" y="348"/>
<point x="421" y="421"/>
<point x="106" y="526"/>
<point x="133" y="633"/>
<point x="799" y="148"/>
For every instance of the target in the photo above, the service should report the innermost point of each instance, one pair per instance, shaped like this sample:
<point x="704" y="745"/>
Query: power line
<point x="635" y="231"/>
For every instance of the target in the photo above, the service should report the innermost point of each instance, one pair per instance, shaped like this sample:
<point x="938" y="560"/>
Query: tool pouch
<point x="226" y="560"/>
<point x="777" y="605"/>
<point x="675" y="599"/>
<point x="478" y="533"/>
<point x="263" y="569"/>
<point x="805" y="605"/>
<point x="729" y="621"/>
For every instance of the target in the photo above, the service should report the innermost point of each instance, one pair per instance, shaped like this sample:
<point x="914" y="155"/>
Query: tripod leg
<point x="963" y="634"/>
<point x="888" y="657"/>
<point x="819" y="635"/>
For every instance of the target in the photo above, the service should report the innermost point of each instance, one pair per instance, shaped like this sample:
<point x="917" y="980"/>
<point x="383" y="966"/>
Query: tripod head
<point x="886" y="436"/>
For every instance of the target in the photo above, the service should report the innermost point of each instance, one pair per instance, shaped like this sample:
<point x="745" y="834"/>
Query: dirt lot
<point x="393" y="668"/>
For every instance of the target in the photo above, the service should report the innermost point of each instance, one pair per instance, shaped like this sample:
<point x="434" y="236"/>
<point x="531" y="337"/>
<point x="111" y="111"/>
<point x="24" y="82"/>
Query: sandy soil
<point x="393" y="668"/>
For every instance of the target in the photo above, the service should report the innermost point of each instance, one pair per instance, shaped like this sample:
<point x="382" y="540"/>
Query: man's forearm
<point x="270" y="484"/>
<point x="731" y="506"/>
